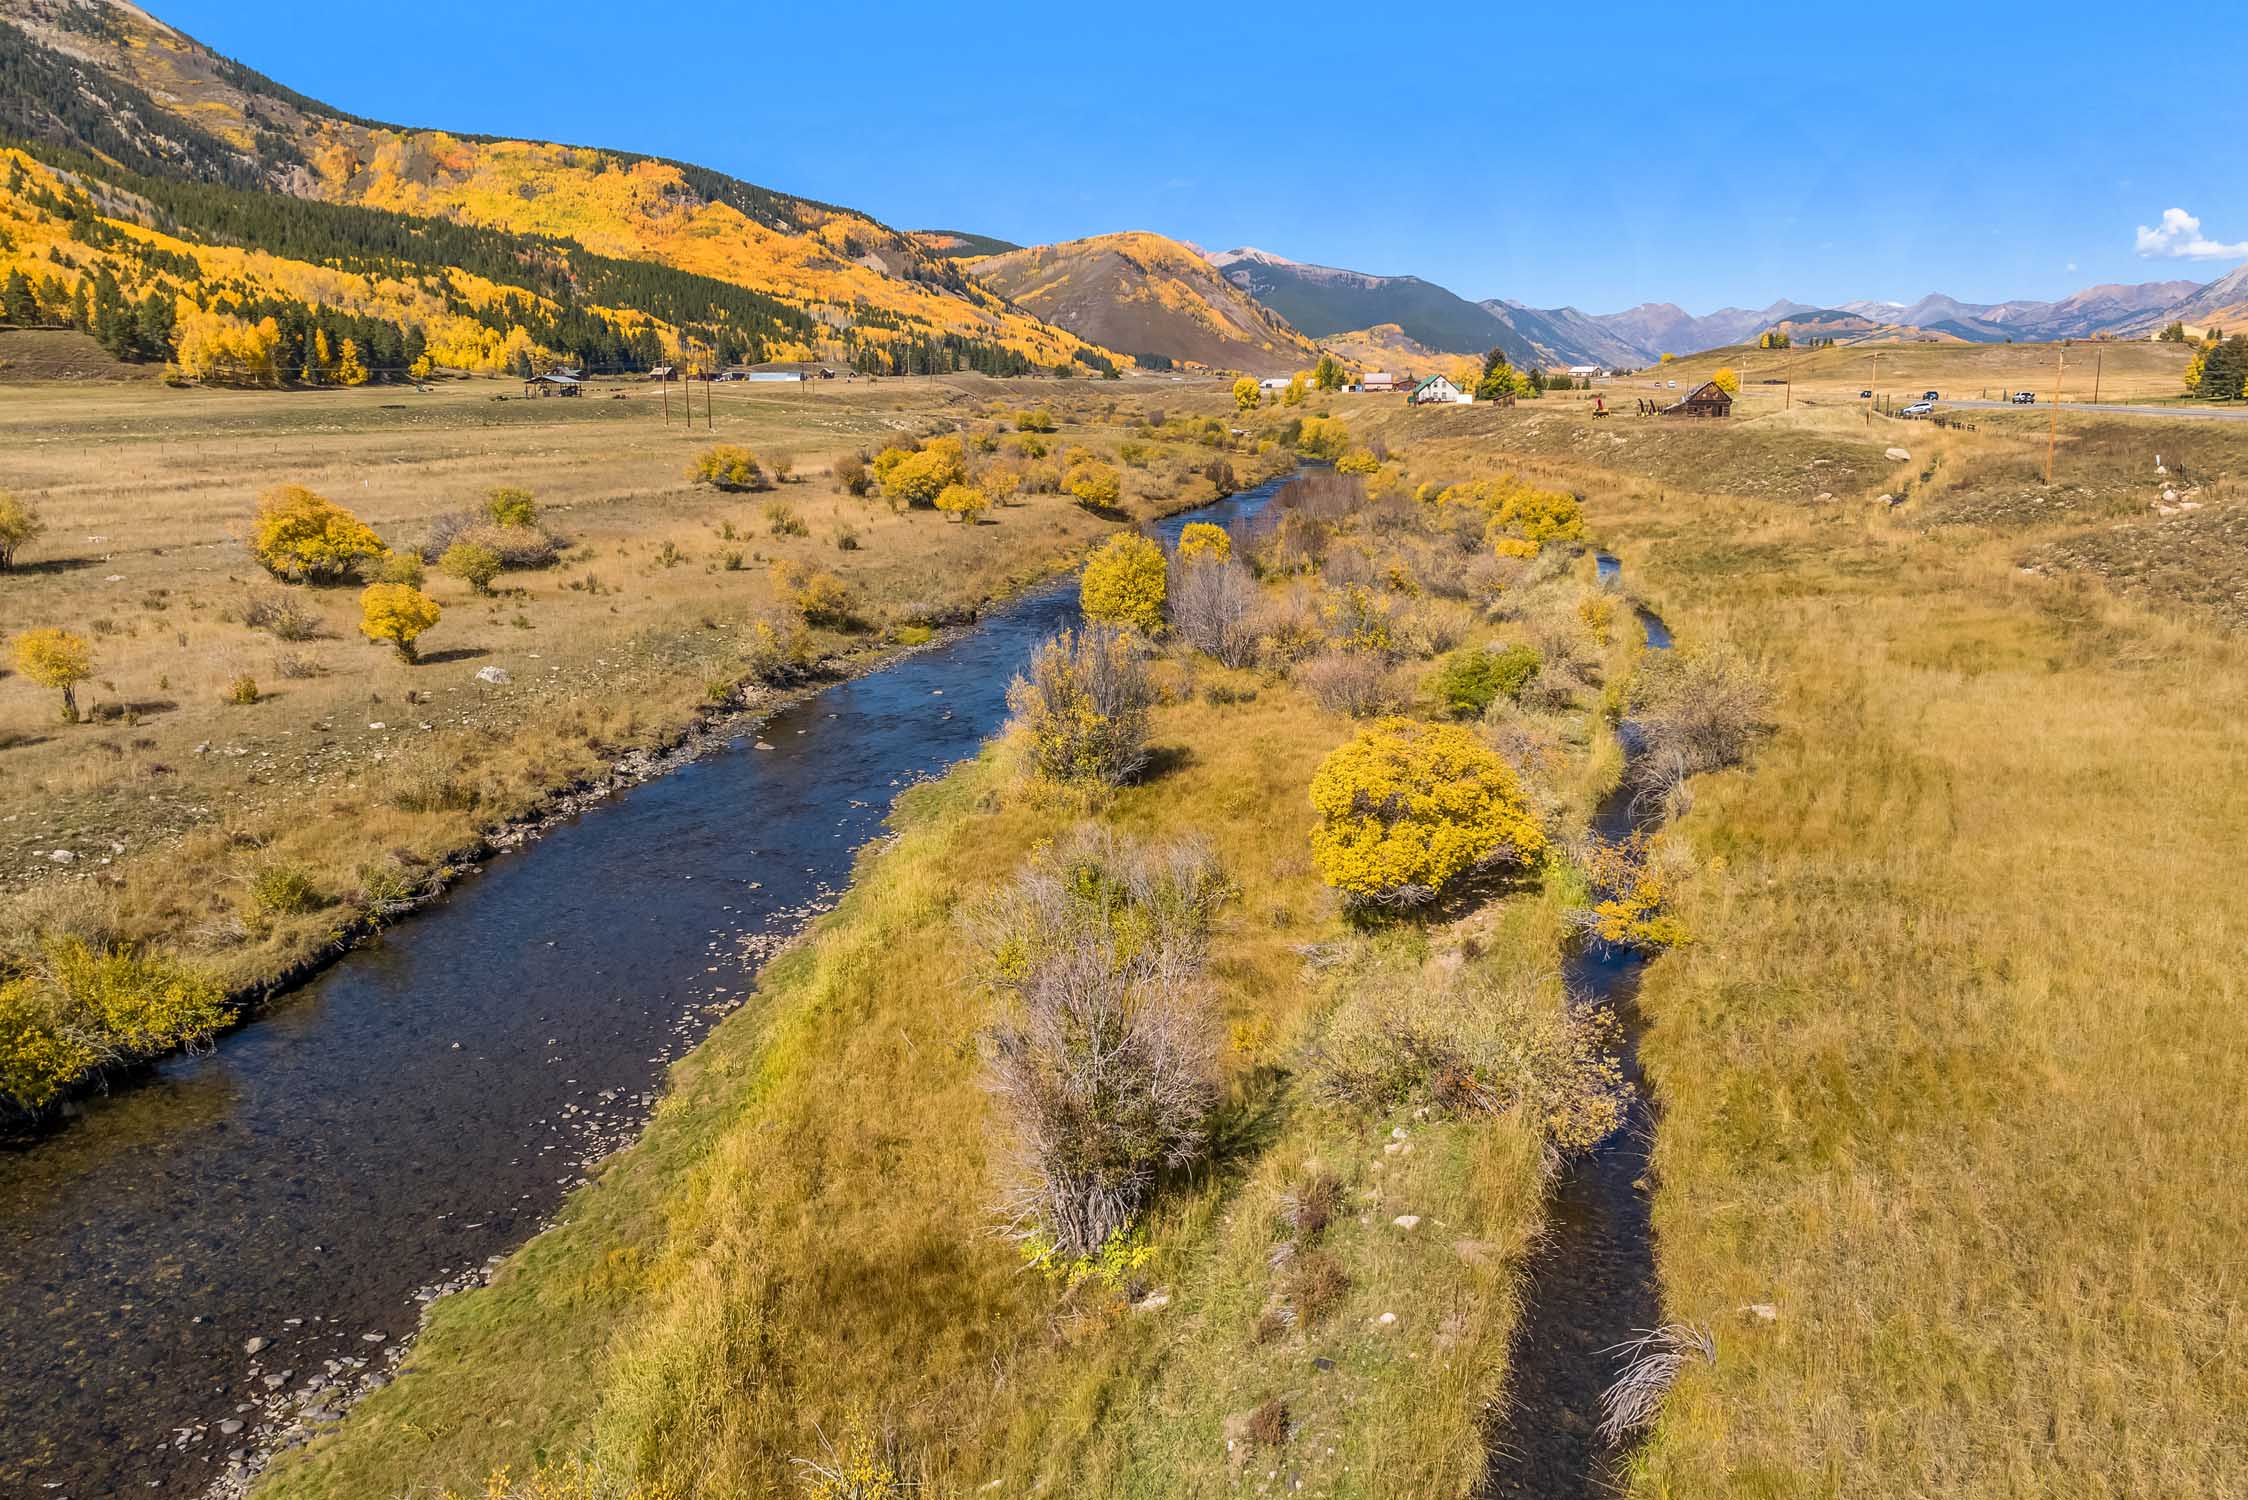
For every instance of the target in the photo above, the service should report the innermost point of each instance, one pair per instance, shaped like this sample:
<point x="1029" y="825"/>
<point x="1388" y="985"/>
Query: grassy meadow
<point x="1951" y="1077"/>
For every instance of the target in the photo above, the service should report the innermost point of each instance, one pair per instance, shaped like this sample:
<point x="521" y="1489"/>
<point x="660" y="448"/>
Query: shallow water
<point x="425" y="1104"/>
<point x="1592" y="1283"/>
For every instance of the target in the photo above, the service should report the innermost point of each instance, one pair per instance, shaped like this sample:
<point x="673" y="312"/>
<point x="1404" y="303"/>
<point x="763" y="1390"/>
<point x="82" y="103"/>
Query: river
<point x="425" y="1104"/>
<point x="1591" y="1283"/>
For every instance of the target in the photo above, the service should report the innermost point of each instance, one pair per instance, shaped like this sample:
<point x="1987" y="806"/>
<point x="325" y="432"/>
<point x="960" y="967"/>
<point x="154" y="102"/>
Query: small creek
<point x="423" y="1107"/>
<point x="1592" y="1282"/>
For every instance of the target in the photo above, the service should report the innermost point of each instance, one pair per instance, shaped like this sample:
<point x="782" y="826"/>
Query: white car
<point x="1918" y="409"/>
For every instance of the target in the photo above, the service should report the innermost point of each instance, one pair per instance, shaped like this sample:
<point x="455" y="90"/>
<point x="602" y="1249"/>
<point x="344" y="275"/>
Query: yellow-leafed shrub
<point x="1405" y="808"/>
<point x="727" y="466"/>
<point x="963" y="500"/>
<point x="307" y="538"/>
<point x="1200" y="541"/>
<point x="1125" y="583"/>
<point x="397" y="613"/>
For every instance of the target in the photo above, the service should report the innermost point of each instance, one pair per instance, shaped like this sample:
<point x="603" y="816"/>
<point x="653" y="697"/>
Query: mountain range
<point x="185" y="208"/>
<point x="1328" y="302"/>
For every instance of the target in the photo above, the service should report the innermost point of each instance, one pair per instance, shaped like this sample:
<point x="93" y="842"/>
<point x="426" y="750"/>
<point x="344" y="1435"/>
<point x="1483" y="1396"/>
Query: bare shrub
<point x="517" y="547"/>
<point x="1431" y="628"/>
<point x="1104" y="1062"/>
<point x="1314" y="1284"/>
<point x="281" y="617"/>
<point x="1289" y="626"/>
<point x="1213" y="605"/>
<point x="1650" y="1364"/>
<point x="1355" y="683"/>
<point x="1479" y="1043"/>
<point x="1347" y="564"/>
<point x="1269" y="1424"/>
<point x="1084" y="705"/>
<point x="1695" y="709"/>
<point x="1311" y="1204"/>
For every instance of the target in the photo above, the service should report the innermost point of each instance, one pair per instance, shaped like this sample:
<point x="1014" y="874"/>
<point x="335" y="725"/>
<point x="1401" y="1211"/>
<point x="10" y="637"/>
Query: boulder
<point x="1897" y="456"/>
<point x="496" y="676"/>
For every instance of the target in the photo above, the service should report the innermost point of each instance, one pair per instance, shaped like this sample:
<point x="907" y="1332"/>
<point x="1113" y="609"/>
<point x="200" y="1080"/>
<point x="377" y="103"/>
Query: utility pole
<point x="2053" y="433"/>
<point x="2098" y="356"/>
<point x="1873" y="386"/>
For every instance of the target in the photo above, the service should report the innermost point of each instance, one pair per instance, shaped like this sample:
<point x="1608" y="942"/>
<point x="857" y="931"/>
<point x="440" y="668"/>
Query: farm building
<point x="555" y="383"/>
<point x="1709" y="399"/>
<point x="1384" y="380"/>
<point x="1439" y="391"/>
<point x="1273" y="383"/>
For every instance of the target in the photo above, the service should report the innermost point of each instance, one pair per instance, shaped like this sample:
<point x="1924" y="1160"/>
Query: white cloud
<point x="2180" y="238"/>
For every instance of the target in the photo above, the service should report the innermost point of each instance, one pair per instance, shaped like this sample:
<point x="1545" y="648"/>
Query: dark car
<point x="1930" y="396"/>
<point x="1865" y="395"/>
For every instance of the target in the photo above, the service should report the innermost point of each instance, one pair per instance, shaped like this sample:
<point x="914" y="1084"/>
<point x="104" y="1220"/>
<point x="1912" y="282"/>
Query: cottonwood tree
<point x="19" y="524"/>
<point x="56" y="659"/>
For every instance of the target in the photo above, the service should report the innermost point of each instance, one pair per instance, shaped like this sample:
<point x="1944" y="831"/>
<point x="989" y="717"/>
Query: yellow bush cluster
<point x="307" y="538"/>
<point x="397" y="613"/>
<point x="965" y="501"/>
<point x="727" y="466"/>
<point x="919" y="476"/>
<point x="1405" y="808"/>
<point x="1125" y="583"/>
<point x="1199" y="541"/>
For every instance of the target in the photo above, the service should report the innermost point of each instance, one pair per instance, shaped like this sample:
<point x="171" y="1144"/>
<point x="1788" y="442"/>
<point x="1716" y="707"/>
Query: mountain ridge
<point x="132" y="94"/>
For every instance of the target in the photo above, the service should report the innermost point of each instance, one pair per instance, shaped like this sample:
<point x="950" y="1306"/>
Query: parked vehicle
<point x="2025" y="398"/>
<point x="1865" y="395"/>
<point x="1918" y="409"/>
<point x="1930" y="396"/>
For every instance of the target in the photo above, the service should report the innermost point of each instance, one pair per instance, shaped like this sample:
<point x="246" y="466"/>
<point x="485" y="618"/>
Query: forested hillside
<point x="185" y="176"/>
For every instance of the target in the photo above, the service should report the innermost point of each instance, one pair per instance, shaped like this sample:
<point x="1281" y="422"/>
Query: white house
<point x="1439" y="391"/>
<point x="1580" y="371"/>
<point x="1273" y="383"/>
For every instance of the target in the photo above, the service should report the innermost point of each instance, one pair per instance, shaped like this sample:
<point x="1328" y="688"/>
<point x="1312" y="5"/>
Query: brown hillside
<point x="1143" y="294"/>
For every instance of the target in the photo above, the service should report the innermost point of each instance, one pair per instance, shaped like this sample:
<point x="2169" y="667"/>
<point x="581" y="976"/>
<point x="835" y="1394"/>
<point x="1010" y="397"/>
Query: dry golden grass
<point x="1954" y="1081"/>
<point x="1952" y="1077"/>
<point x="174" y="790"/>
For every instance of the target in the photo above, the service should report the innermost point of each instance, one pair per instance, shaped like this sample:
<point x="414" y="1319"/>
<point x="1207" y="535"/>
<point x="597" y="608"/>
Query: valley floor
<point x="1948" y="1074"/>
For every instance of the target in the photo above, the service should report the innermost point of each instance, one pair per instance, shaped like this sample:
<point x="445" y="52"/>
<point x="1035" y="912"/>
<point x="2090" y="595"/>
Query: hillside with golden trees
<point x="105" y="88"/>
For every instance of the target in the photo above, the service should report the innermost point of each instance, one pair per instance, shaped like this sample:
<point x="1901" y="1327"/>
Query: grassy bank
<point x="1955" y="1081"/>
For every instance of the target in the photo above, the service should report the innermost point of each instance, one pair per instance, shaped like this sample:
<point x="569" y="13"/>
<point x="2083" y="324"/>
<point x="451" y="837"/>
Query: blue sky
<point x="1594" y="155"/>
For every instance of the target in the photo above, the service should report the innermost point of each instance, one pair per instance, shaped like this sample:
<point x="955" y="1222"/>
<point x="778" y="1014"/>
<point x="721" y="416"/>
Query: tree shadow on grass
<point x="1165" y="760"/>
<point x="22" y="741"/>
<point x="450" y="654"/>
<point x="51" y="565"/>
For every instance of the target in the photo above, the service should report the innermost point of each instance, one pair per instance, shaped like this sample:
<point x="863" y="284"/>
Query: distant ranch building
<point x="1383" y="380"/>
<point x="1437" y="390"/>
<point x="555" y="383"/>
<point x="1709" y="399"/>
